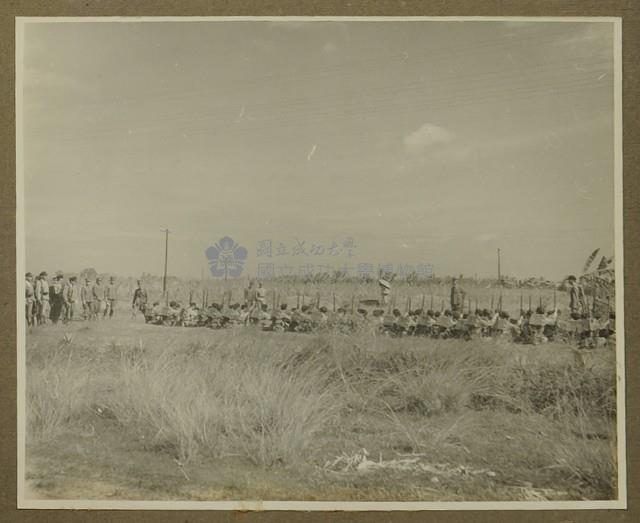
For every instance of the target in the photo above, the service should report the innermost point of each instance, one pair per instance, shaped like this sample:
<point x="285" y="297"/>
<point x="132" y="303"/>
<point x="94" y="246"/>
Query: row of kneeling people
<point x="535" y="327"/>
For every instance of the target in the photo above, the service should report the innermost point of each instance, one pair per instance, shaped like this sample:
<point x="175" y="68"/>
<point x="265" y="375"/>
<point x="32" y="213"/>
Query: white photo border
<point x="24" y="502"/>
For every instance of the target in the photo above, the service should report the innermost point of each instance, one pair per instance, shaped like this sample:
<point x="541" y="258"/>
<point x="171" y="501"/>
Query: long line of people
<point x="534" y="327"/>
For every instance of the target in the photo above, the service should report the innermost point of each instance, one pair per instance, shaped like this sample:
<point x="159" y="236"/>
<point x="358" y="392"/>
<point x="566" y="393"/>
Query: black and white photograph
<point x="320" y="263"/>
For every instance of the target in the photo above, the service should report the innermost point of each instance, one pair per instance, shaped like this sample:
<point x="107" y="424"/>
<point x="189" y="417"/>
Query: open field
<point x="123" y="410"/>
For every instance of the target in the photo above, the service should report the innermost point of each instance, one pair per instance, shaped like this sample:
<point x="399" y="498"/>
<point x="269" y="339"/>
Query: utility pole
<point x="499" y="277"/>
<point x="166" y="257"/>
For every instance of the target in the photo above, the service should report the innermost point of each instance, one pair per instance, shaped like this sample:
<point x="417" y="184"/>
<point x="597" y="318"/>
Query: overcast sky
<point x="426" y="142"/>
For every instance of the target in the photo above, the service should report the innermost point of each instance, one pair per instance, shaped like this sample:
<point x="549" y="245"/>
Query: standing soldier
<point x="576" y="296"/>
<point x="56" y="298"/>
<point x="261" y="295"/>
<point x="97" y="292"/>
<point x="139" y="299"/>
<point x="87" y="300"/>
<point x="249" y="295"/>
<point x="30" y="298"/>
<point x="42" y="298"/>
<point x="110" y="297"/>
<point x="385" y="290"/>
<point x="70" y="295"/>
<point x="457" y="297"/>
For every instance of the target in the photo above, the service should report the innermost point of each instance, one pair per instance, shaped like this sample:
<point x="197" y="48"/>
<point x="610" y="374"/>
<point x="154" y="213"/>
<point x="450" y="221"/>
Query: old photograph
<point x="320" y="263"/>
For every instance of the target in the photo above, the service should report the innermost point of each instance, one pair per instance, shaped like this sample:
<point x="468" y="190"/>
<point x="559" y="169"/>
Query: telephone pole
<point x="499" y="277"/>
<point x="166" y="257"/>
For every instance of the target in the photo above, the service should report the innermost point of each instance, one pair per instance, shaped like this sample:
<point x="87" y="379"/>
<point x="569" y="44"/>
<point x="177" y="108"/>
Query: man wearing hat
<point x="139" y="299"/>
<point x="457" y="296"/>
<point x="385" y="290"/>
<point x="30" y="298"/>
<point x="70" y="295"/>
<point x="576" y="296"/>
<point x="110" y="297"/>
<point x="97" y="292"/>
<point x="86" y="297"/>
<point x="42" y="298"/>
<point x="56" y="298"/>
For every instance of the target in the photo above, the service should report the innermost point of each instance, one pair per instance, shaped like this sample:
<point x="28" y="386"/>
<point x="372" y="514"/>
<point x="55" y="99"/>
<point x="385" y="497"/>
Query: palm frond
<point x="592" y="256"/>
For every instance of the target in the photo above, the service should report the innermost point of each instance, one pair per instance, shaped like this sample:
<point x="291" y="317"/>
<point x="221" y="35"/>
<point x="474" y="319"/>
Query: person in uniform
<point x="502" y="326"/>
<point x="389" y="323"/>
<point x="250" y="295"/>
<point x="255" y="313"/>
<point x="226" y="314"/>
<point x="577" y="300"/>
<point x="515" y="329"/>
<point x="537" y="321"/>
<point x="216" y="320"/>
<point x="586" y="331"/>
<point x="266" y="322"/>
<point x="235" y="319"/>
<point x="424" y="323"/>
<point x="281" y="319"/>
<point x="243" y="314"/>
<point x="149" y="313"/>
<point x="97" y="291"/>
<point x="473" y="325"/>
<point x="459" y="328"/>
<point x="301" y="320"/>
<point x="29" y="299"/>
<point x="56" y="298"/>
<point x="173" y="314"/>
<point x="42" y="298"/>
<point x="261" y="295"/>
<point x="110" y="297"/>
<point x="378" y="321"/>
<point x="139" y="302"/>
<point x="444" y="325"/>
<point x="385" y="291"/>
<point x="319" y="317"/>
<point x="457" y="296"/>
<point x="70" y="296"/>
<point x="86" y="298"/>
<point x="551" y="324"/>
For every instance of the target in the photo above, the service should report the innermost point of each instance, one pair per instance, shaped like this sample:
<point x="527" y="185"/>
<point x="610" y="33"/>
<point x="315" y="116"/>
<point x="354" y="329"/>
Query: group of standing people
<point x="57" y="300"/>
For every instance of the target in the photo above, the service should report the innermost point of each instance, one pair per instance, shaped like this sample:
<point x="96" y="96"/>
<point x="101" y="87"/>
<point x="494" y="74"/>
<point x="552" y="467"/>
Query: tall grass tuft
<point x="55" y="393"/>
<point x="209" y="403"/>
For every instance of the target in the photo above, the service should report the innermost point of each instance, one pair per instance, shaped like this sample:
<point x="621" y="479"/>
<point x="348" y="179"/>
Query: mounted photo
<point x="320" y="263"/>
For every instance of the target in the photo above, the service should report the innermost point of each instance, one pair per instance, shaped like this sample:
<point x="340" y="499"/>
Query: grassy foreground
<point x="123" y="410"/>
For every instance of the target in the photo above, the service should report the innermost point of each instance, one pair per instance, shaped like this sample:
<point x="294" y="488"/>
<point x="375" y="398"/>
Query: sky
<point x="405" y="144"/>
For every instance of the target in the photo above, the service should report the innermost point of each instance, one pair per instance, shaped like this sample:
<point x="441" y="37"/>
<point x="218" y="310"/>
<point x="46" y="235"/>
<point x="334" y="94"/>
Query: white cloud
<point x="544" y="138"/>
<point x="426" y="136"/>
<point x="485" y="237"/>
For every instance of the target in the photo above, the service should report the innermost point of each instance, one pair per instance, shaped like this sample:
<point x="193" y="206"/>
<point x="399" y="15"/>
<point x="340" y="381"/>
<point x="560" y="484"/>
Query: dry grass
<point x="56" y="392"/>
<point x="227" y="399"/>
<point x="299" y="401"/>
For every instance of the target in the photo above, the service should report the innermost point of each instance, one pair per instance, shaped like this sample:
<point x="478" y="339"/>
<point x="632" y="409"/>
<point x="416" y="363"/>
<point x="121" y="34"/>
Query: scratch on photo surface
<point x="312" y="151"/>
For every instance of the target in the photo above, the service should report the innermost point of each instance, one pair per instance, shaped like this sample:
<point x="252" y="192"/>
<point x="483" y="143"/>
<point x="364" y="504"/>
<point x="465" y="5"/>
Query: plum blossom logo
<point x="226" y="258"/>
